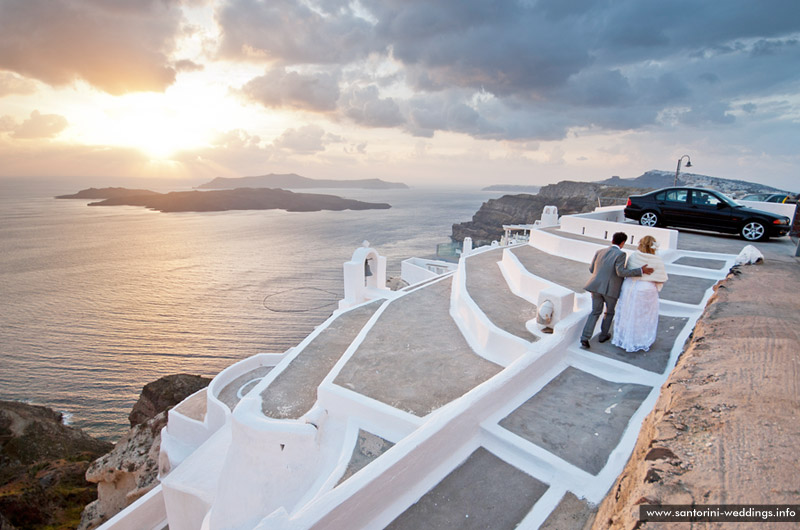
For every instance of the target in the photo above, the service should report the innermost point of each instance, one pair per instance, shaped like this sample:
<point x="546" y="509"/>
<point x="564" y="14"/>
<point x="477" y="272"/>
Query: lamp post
<point x="688" y="164"/>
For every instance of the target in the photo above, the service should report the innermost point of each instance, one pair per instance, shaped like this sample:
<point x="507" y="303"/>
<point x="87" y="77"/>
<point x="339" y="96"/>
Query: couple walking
<point x="637" y="322"/>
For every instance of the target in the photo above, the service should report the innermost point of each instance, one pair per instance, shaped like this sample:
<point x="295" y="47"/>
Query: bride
<point x="636" y="320"/>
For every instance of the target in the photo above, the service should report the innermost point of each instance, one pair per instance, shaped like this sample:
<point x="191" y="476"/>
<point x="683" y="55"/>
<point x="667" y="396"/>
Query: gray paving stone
<point x="578" y="417"/>
<point x="685" y="289"/>
<point x="368" y="447"/>
<point x="565" y="272"/>
<point x="484" y="492"/>
<point x="414" y="358"/>
<point x="487" y="287"/>
<point x="571" y="513"/>
<point x="654" y="360"/>
<point x="703" y="263"/>
<point x="294" y="391"/>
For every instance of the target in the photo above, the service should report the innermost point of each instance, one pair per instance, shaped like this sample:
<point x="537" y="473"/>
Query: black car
<point x="704" y="209"/>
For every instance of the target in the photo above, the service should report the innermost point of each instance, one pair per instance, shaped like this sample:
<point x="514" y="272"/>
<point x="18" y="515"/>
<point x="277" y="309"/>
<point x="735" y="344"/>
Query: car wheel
<point x="649" y="218"/>
<point x="753" y="231"/>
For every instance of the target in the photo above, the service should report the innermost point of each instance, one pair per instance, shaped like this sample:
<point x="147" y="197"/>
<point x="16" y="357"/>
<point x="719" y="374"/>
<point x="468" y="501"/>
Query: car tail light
<point x="628" y="203"/>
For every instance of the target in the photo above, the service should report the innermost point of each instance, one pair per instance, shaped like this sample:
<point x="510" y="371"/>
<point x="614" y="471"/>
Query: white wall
<point x="416" y="270"/>
<point x="772" y="207"/>
<point x="603" y="222"/>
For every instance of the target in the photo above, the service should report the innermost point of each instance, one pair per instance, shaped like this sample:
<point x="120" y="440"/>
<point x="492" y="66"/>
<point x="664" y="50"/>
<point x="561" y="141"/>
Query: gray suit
<point x="608" y="270"/>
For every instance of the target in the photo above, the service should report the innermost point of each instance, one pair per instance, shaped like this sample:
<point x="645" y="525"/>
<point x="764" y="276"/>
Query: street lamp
<point x="688" y="164"/>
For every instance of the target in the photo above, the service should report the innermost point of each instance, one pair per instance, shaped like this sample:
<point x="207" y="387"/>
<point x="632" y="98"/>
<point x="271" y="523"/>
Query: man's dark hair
<point x="619" y="238"/>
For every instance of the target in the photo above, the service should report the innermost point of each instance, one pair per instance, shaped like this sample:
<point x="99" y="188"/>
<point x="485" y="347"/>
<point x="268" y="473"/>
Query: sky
<point x="445" y="92"/>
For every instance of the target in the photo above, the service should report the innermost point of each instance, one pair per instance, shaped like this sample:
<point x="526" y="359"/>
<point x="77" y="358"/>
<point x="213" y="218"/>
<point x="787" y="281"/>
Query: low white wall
<point x="485" y="338"/>
<point x="604" y="222"/>
<point x="416" y="270"/>
<point x="566" y="248"/>
<point x="771" y="207"/>
<point x="147" y="513"/>
<point x="183" y="434"/>
<point x="535" y="289"/>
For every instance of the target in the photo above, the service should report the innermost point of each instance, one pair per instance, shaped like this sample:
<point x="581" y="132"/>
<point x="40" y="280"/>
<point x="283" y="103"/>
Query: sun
<point x="158" y="136"/>
<point x="156" y="127"/>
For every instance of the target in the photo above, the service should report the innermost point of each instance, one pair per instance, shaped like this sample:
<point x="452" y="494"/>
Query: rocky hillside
<point x="131" y="469"/>
<point x="661" y="179"/>
<point x="569" y="197"/>
<point x="572" y="197"/>
<point x="42" y="468"/>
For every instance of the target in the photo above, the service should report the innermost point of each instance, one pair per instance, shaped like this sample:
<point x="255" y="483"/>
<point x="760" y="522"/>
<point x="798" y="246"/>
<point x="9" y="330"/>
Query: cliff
<point x="131" y="469"/>
<point x="224" y="200"/>
<point x="293" y="181"/>
<point x="569" y="197"/>
<point x="42" y="467"/>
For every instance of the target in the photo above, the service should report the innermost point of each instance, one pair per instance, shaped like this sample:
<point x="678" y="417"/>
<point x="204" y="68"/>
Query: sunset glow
<point x="455" y="94"/>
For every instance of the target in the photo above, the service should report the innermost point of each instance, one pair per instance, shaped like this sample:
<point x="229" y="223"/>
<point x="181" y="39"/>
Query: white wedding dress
<point x="636" y="318"/>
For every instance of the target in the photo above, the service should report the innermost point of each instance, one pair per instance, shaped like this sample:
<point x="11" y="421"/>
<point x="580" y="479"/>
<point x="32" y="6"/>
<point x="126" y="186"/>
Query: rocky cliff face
<point x="569" y="197"/>
<point x="131" y="469"/>
<point x="487" y="224"/>
<point x="163" y="394"/>
<point x="42" y="467"/>
<point x="126" y="473"/>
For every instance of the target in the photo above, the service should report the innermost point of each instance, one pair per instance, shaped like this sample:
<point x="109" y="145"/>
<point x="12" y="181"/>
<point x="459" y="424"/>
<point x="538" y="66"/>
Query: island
<point x="512" y="187"/>
<point x="223" y="200"/>
<point x="106" y="193"/>
<point x="293" y="181"/>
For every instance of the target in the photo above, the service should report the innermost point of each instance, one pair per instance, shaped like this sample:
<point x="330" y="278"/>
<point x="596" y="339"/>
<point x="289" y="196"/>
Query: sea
<point x="96" y="302"/>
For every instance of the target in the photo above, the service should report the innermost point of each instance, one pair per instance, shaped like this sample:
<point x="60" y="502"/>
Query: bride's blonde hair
<point x="647" y="245"/>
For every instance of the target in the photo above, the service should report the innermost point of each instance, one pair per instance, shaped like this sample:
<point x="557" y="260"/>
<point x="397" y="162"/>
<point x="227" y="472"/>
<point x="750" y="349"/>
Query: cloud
<point x="7" y="123"/>
<point x="365" y="107"/>
<point x="13" y="84"/>
<point x="279" y="88"/>
<point x="717" y="113"/>
<point x="290" y="31"/>
<point x="549" y="65"/>
<point x="305" y="140"/>
<point x="185" y="65"/>
<point x="116" y="47"/>
<point x="39" y="126"/>
<point x="236" y="139"/>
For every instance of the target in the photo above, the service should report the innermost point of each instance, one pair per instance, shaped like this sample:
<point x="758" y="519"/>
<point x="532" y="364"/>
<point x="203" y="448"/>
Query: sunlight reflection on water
<point x="99" y="301"/>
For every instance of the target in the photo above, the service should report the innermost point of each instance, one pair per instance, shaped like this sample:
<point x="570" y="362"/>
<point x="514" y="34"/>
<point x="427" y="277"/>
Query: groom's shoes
<point x="585" y="344"/>
<point x="603" y="338"/>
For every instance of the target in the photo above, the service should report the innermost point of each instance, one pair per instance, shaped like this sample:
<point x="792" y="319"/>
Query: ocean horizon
<point x="99" y="301"/>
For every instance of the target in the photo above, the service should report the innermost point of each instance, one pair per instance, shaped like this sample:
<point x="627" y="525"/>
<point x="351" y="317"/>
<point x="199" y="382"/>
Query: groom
<point x="608" y="270"/>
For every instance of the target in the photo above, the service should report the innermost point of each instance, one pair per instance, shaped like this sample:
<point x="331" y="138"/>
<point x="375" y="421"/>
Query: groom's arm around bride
<point x="608" y="270"/>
